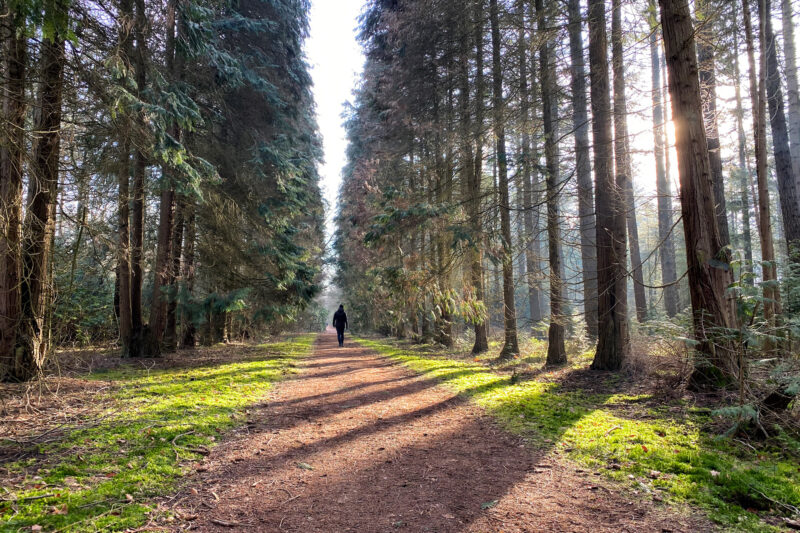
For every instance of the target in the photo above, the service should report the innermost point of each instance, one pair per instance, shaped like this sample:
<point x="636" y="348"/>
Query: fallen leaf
<point x="129" y="497"/>
<point x="36" y="527"/>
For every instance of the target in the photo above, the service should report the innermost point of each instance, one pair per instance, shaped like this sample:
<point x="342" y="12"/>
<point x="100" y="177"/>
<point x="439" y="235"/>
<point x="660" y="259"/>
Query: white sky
<point x="336" y="60"/>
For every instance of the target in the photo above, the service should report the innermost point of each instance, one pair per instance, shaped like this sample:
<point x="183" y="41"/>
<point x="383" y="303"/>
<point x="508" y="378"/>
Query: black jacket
<point x="340" y="319"/>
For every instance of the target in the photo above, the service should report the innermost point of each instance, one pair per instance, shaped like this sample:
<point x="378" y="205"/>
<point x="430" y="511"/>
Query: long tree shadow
<point x="341" y="391"/>
<point x="438" y="467"/>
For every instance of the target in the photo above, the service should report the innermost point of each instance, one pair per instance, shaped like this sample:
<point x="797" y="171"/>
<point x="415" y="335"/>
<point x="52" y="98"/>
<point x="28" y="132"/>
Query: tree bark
<point x="708" y="95"/>
<point x="170" y="342"/>
<point x="758" y="95"/>
<point x="583" y="168"/>
<point x="189" y="335"/>
<point x="168" y="233"/>
<point x="708" y="264"/>
<point x="744" y="172"/>
<point x="31" y="345"/>
<point x="511" y="346"/>
<point x="792" y="91"/>
<point x="612" y="300"/>
<point x="623" y="160"/>
<point x="474" y="136"/>
<point x="663" y="189"/>
<point x="12" y="152"/>
<point x="784" y="166"/>
<point x="556" y="353"/>
<point x="123" y="270"/>
<point x="528" y="237"/>
<point x="136" y="348"/>
<point x="162" y="269"/>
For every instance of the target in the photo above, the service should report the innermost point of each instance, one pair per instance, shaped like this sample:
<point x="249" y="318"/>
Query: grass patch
<point x="619" y="435"/>
<point x="101" y="478"/>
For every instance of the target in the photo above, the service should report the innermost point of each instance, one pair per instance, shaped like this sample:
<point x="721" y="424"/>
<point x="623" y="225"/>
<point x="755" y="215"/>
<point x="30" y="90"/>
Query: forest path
<point x="357" y="443"/>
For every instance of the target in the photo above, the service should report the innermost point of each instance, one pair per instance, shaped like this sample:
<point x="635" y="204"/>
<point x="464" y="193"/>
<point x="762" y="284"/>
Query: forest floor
<point x="379" y="436"/>
<point x="100" y="443"/>
<point x="356" y="442"/>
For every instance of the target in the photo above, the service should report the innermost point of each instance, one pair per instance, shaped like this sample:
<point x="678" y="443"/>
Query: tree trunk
<point x="612" y="299"/>
<point x="137" y="220"/>
<point x="31" y="346"/>
<point x="510" y="347"/>
<point x="473" y="136"/>
<point x="12" y="153"/>
<point x="556" y="354"/>
<point x="123" y="270"/>
<point x="792" y="91"/>
<point x="170" y="342"/>
<point x="708" y="265"/>
<point x="784" y="167"/>
<point x="744" y="172"/>
<point x="623" y="160"/>
<point x="528" y="237"/>
<point x="758" y="95"/>
<point x="188" y="339"/>
<point x="708" y="97"/>
<point x="124" y="250"/>
<point x="482" y="331"/>
<point x="583" y="168"/>
<point x="162" y="269"/>
<point x="442" y="196"/>
<point x="663" y="189"/>
<point x="168" y="232"/>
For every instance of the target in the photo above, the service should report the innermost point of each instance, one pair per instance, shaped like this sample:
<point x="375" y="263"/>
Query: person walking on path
<point x="340" y="323"/>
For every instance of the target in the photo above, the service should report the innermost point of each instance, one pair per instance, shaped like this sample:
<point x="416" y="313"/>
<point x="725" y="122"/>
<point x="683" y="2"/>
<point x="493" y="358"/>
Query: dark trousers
<point x="340" y="336"/>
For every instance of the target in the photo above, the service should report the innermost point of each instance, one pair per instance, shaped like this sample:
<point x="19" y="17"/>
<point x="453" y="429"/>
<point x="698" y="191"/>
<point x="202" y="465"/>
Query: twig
<point x="607" y="433"/>
<point x="223" y="523"/>
<point x="290" y="499"/>
<point x="746" y="444"/>
<point x="27" y="498"/>
<point x="787" y="506"/>
<point x="181" y="435"/>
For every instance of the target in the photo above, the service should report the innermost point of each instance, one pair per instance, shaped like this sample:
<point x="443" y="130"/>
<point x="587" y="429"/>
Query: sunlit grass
<point x="101" y="478"/>
<point x="651" y="449"/>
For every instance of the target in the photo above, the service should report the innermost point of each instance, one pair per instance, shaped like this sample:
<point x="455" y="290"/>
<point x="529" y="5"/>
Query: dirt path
<point x="356" y="443"/>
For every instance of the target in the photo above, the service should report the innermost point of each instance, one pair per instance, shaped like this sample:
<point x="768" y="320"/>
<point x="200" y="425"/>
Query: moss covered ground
<point x="153" y="425"/>
<point x="660" y="449"/>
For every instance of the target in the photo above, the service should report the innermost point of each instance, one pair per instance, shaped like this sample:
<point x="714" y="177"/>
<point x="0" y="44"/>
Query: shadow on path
<point x="356" y="443"/>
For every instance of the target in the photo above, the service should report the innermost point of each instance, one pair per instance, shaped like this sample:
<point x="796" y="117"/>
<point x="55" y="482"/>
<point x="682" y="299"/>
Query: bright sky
<point x="336" y="60"/>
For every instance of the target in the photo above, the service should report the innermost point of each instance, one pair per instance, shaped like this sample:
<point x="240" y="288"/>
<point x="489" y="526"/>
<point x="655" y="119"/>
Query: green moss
<point x="104" y="476"/>
<point x="652" y="450"/>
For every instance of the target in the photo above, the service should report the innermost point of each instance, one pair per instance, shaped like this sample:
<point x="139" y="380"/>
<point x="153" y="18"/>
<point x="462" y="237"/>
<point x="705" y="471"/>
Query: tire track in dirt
<point x="356" y="443"/>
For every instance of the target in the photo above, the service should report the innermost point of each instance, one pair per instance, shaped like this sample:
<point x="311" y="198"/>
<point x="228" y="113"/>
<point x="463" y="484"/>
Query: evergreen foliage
<point x="200" y="111"/>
